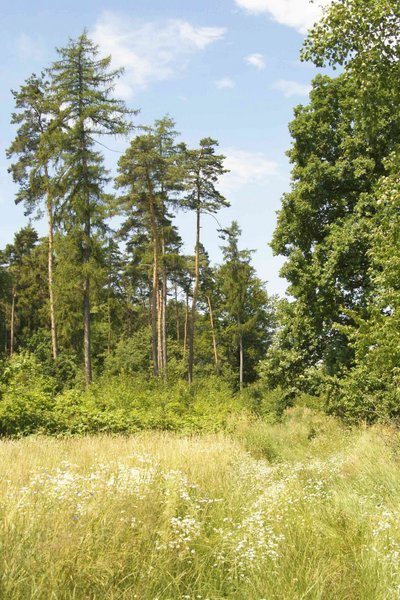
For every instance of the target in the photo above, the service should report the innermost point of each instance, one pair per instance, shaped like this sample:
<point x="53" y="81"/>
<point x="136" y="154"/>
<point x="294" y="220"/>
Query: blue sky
<point x="228" y="69"/>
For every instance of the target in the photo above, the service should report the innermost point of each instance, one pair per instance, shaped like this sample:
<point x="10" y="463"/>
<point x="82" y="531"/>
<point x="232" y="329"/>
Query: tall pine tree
<point x="202" y="170"/>
<point x="82" y="84"/>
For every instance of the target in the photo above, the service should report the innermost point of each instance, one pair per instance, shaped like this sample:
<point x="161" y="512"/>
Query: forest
<point x="264" y="456"/>
<point x="108" y="293"/>
<point x="89" y="301"/>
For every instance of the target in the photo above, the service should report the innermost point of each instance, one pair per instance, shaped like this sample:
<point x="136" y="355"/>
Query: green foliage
<point x="265" y="403"/>
<point x="30" y="401"/>
<point x="246" y="311"/>
<point x="323" y="230"/>
<point x="26" y="397"/>
<point x="338" y="226"/>
<point x="129" y="403"/>
<point x="300" y="432"/>
<point x="81" y="284"/>
<point x="131" y="355"/>
<point x="362" y="37"/>
<point x="370" y="390"/>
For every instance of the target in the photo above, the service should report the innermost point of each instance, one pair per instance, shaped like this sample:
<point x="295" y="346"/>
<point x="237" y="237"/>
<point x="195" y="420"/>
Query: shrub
<point x="26" y="397"/>
<point x="128" y="403"/>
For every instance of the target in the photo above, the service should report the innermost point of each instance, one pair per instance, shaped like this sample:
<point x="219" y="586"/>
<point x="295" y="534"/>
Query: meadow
<point x="301" y="509"/>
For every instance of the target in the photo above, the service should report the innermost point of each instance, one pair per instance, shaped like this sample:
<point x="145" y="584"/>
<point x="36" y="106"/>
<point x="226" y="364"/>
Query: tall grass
<point x="302" y="509"/>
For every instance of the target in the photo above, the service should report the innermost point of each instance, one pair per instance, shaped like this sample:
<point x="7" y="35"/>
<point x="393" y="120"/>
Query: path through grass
<point x="303" y="509"/>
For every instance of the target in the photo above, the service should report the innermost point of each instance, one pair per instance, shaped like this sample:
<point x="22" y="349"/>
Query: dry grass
<point x="169" y="517"/>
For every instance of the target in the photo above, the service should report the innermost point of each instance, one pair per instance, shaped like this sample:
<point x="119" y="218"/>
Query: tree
<point x="244" y="304"/>
<point x="5" y="286"/>
<point x="23" y="261"/>
<point x="33" y="170"/>
<point x="148" y="172"/>
<point x="82" y="85"/>
<point x="326" y="225"/>
<point x="202" y="169"/>
<point x="370" y="390"/>
<point x="210" y="292"/>
<point x="361" y="36"/>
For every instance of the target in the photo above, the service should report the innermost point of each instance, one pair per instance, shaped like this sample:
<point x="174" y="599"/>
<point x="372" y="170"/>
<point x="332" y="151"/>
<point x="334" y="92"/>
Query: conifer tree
<point x="202" y="169"/>
<point x="33" y="170"/>
<point x="25" y="294"/>
<point x="245" y="305"/>
<point x="82" y="85"/>
<point x="148" y="173"/>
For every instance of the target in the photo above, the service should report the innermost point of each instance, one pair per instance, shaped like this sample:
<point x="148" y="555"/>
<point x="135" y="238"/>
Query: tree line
<point x="131" y="300"/>
<point x="338" y="226"/>
<point x="91" y="292"/>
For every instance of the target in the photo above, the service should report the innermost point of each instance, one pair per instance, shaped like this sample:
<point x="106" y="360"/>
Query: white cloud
<point x="255" y="60"/>
<point x="245" y="168"/>
<point x="29" y="47"/>
<point x="225" y="83"/>
<point x="291" y="88"/>
<point x="151" y="51"/>
<point x="300" y="14"/>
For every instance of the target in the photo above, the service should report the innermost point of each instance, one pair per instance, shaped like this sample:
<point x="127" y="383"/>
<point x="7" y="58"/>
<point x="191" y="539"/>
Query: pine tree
<point x="23" y="261"/>
<point x="202" y="169"/>
<point x="149" y="174"/>
<point x="82" y="85"/>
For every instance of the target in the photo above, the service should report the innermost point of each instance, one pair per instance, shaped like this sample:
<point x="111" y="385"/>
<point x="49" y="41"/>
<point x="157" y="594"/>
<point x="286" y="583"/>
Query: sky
<point x="226" y="69"/>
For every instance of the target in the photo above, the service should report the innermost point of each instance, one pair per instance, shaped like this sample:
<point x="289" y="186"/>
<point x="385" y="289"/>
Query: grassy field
<point x="303" y="509"/>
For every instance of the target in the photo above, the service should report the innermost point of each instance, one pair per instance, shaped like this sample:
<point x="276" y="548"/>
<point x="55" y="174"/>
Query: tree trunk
<point x="240" y="362"/>
<point x="154" y="292"/>
<point x="164" y="316"/>
<point x="159" y="332"/>
<point x="214" y="339"/>
<point x="161" y="318"/>
<point x="87" y="230"/>
<point x="109" y="326"/>
<point x="86" y="294"/>
<point x="194" y="299"/>
<point x="5" y="332"/>
<point x="12" y="320"/>
<point x="86" y="328"/>
<point x="178" y="324"/>
<point x="185" y="331"/>
<point x="50" y="275"/>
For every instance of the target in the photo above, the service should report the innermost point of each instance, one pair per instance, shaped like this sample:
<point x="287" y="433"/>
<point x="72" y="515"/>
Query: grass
<point x="304" y="509"/>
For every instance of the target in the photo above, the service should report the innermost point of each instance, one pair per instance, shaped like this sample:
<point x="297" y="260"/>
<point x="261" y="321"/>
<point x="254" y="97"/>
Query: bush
<point x="26" y="397"/>
<point x="30" y="402"/>
<point x="131" y="354"/>
<point x="127" y="403"/>
<point x="266" y="403"/>
<point x="366" y="395"/>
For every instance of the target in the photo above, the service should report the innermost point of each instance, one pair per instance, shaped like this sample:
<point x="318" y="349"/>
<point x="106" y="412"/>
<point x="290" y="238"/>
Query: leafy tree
<point x="375" y="376"/>
<point x="362" y="36"/>
<point x="323" y="225"/>
<point x="326" y="227"/>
